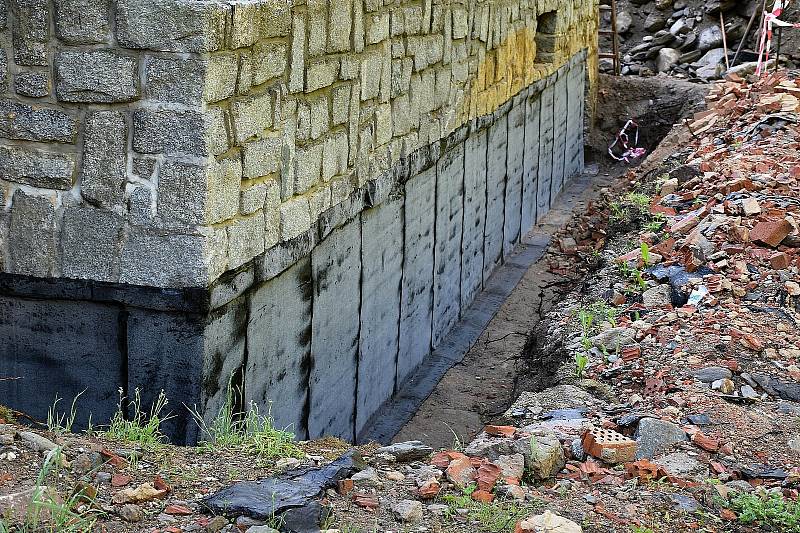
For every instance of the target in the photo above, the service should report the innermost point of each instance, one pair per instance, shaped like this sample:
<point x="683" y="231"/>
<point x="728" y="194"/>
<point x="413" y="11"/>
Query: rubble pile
<point x="684" y="38"/>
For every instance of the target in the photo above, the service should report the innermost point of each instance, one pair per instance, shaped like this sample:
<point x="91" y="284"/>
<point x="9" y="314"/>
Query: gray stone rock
<point x="366" y="478"/>
<point x="97" y="76"/>
<point x="30" y="32"/>
<point x="512" y="466"/>
<point x="261" y="157"/>
<point x="624" y="22"/>
<point x="170" y="79"/>
<point x="245" y="239"/>
<point x="740" y="485"/>
<point x="654" y="436"/>
<point x="269" y="61"/>
<point x="544" y="457"/>
<point x="32" y="83"/>
<point x="29" y="123"/>
<point x="181" y="192"/>
<point x="655" y="21"/>
<point x="36" y="442"/>
<point x="105" y="148"/>
<point x="130" y="512"/>
<point x="683" y="465"/>
<point x="404" y="452"/>
<point x="261" y="529"/>
<point x="251" y="115"/>
<point x="151" y="258"/>
<point x="31" y="234"/>
<point x="710" y="374"/>
<point x="166" y="131"/>
<point x="48" y="170"/>
<point x="484" y="445"/>
<point x="614" y="338"/>
<point x="90" y="241"/>
<point x="140" y="206"/>
<point x="82" y="21"/>
<point x="749" y="392"/>
<point x="710" y="37"/>
<point x="171" y="26"/>
<point x="224" y="179"/>
<point x="408" y="510"/>
<point x="667" y="58"/>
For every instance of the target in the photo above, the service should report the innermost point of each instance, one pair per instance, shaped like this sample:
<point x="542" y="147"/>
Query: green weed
<point x="251" y="431"/>
<point x="495" y="517"/>
<point x="143" y="427"/>
<point x="60" y="423"/>
<point x="581" y="362"/>
<point x="772" y="512"/>
<point x="46" y="512"/>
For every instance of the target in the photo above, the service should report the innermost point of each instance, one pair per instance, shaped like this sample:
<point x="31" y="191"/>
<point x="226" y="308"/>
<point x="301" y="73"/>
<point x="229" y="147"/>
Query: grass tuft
<point x="142" y="427"/>
<point x="250" y="431"/>
<point x="499" y="516"/>
<point x="773" y="512"/>
<point x="47" y="513"/>
<point x="60" y="423"/>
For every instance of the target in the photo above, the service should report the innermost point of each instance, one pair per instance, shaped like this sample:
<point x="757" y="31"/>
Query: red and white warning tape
<point x="771" y="19"/>
<point x="630" y="150"/>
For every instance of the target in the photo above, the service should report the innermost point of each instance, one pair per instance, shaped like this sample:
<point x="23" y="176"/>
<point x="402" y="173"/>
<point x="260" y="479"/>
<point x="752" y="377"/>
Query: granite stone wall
<point x="165" y="142"/>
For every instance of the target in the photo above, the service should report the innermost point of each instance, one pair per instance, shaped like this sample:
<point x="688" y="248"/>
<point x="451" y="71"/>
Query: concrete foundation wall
<point x="329" y="325"/>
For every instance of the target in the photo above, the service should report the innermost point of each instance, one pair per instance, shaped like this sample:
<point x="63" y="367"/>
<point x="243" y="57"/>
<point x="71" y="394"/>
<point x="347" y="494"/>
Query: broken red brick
<point x="177" y="510"/>
<point x="500" y="431"/>
<point x="709" y="444"/>
<point x="442" y="459"/>
<point x="608" y="445"/>
<point x="461" y="473"/>
<point x="367" y="501"/>
<point x="771" y="232"/>
<point x="488" y="474"/>
<point x="345" y="486"/>
<point x="430" y="489"/>
<point x="482" y="496"/>
<point x="629" y="353"/>
<point x="752" y="342"/>
<point x="780" y="261"/>
<point x="120" y="480"/>
<point x="686" y="224"/>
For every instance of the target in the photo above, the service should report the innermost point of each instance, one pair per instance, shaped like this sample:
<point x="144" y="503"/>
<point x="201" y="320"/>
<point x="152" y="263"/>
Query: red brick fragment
<point x="771" y="232"/>
<point x="461" y="472"/>
<point x="686" y="224"/>
<point x="709" y="444"/>
<point x="608" y="445"/>
<point x="488" y="474"/>
<point x="644" y="470"/>
<point x="345" y="486"/>
<point x="482" y="496"/>
<point x="120" y="480"/>
<point x="177" y="510"/>
<point x="780" y="261"/>
<point x="430" y="489"/>
<point x="500" y="431"/>
<point x="367" y="501"/>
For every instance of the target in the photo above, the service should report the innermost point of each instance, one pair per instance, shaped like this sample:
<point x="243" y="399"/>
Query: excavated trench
<point x="513" y="353"/>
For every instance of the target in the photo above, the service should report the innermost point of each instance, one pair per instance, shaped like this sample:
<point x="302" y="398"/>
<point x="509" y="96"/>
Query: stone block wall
<point x="165" y="142"/>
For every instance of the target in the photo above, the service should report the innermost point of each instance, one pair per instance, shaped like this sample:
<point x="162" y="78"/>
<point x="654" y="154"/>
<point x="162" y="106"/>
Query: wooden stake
<point x="724" y="40"/>
<point x="744" y="37"/>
